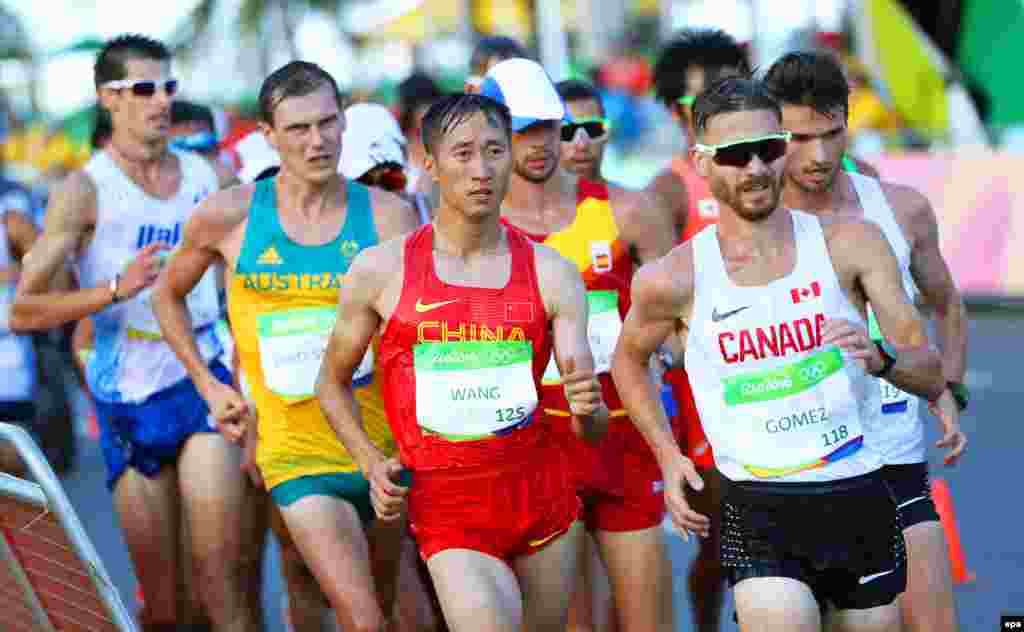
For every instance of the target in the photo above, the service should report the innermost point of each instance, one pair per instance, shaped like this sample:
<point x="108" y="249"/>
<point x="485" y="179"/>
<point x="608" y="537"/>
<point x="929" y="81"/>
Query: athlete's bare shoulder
<point x="392" y="214"/>
<point x="219" y="215"/>
<point x="73" y="203"/>
<point x="664" y="288"/>
<point x="375" y="277"/>
<point x="913" y="210"/>
<point x="853" y="243"/>
<point x="381" y="260"/>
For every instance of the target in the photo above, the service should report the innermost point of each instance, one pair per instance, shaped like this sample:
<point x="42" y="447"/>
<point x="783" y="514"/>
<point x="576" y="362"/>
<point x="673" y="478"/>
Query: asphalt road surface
<point x="985" y="489"/>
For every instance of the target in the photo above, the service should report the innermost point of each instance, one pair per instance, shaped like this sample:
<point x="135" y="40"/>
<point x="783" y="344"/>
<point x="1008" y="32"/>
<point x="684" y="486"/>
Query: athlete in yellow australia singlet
<point x="282" y="300"/>
<point x="287" y="243"/>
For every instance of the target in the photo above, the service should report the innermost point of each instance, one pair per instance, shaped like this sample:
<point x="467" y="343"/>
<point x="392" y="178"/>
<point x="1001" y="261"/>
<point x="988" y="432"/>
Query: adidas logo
<point x="270" y="257"/>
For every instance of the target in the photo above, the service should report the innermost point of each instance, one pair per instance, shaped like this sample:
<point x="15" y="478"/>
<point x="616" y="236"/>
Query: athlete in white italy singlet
<point x="132" y="362"/>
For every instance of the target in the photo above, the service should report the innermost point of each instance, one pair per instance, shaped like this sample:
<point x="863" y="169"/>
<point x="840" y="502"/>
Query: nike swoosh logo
<point x="716" y="317"/>
<point x="870" y="578"/>
<point x="426" y="307"/>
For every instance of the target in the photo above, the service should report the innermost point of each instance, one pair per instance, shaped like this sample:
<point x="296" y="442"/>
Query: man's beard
<point x="523" y="172"/>
<point x="824" y="187"/>
<point x="733" y="197"/>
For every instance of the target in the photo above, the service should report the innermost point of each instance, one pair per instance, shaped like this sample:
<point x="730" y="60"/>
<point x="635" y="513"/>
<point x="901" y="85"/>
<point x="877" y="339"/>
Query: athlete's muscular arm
<point x="861" y="253"/>
<point x="208" y="226"/>
<point x="357" y="322"/>
<point x="69" y="219"/>
<point x="661" y="295"/>
<point x="565" y="299"/>
<point x="672" y="196"/>
<point x="646" y="224"/>
<point x="933" y="279"/>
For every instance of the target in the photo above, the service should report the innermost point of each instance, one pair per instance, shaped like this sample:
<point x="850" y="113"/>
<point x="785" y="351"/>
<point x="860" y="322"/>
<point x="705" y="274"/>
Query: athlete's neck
<point x="741" y="238"/>
<point x="457" y="236"/>
<point x="825" y="203"/>
<point x="312" y="200"/>
<point x="540" y="204"/>
<point x="140" y="158"/>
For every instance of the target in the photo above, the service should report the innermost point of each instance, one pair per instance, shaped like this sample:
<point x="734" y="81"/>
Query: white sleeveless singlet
<point x="132" y="362"/>
<point x="777" y="405"/>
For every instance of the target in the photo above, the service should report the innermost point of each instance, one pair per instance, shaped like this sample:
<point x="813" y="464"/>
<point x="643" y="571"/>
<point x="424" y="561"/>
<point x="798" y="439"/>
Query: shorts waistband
<point x="475" y="471"/>
<point x="853" y="483"/>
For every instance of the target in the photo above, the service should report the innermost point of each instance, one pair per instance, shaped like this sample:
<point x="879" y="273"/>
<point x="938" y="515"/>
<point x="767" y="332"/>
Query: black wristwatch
<point x="116" y="281"/>
<point x="960" y="393"/>
<point x="887" y="361"/>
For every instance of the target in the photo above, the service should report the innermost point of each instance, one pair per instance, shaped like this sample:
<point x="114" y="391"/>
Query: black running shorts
<point x="912" y="490"/>
<point x="842" y="538"/>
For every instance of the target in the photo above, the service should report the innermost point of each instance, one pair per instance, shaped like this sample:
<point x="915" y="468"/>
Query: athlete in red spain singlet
<point x="467" y="328"/>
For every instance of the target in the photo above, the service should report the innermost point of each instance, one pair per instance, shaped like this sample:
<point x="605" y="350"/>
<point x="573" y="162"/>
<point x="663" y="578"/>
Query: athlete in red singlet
<point x="467" y="328"/>
<point x="693" y="60"/>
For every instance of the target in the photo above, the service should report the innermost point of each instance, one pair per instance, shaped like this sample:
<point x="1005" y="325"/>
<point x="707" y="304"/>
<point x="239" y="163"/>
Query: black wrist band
<point x="960" y="394"/>
<point x="887" y="361"/>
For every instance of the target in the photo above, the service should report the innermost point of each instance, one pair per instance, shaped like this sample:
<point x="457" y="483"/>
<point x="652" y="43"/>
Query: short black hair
<point x="732" y="94"/>
<point x="294" y="79"/>
<point x="449" y="112"/>
<point x="416" y="90"/>
<point x="714" y="50"/>
<point x="810" y="78"/>
<point x="110" y="62"/>
<point x="102" y="130"/>
<point x="187" y="112"/>
<point x="576" y="90"/>
<point x="495" y="46"/>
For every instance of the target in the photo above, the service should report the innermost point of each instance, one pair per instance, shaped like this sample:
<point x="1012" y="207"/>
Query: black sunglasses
<point x="144" y="87"/>
<point x="595" y="128"/>
<point x="739" y="153"/>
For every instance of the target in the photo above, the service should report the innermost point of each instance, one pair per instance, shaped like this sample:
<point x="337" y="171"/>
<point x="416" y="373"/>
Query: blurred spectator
<point x="102" y="131"/>
<point x="193" y="128"/>
<point x="373" y="152"/>
<point x="867" y="109"/>
<point x="415" y="95"/>
<point x="488" y="52"/>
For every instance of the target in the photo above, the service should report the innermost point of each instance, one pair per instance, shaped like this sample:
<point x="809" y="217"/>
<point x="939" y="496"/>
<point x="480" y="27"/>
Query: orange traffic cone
<point x="944" y="505"/>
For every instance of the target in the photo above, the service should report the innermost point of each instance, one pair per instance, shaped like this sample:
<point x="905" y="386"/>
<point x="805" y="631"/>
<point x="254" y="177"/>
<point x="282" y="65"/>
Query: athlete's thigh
<point x="547" y="578"/>
<point x="776" y="604"/>
<point x="928" y="602"/>
<point x="880" y="619"/>
<point x="328" y="533"/>
<point x="640" y="573"/>
<point x="216" y="496"/>
<point x="10" y="462"/>
<point x="385" y="538"/>
<point x="478" y="592"/>
<point x="414" y="606"/>
<point x="149" y="515"/>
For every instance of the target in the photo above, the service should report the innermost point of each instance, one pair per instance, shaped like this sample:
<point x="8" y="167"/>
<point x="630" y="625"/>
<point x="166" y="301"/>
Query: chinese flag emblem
<point x="806" y="293"/>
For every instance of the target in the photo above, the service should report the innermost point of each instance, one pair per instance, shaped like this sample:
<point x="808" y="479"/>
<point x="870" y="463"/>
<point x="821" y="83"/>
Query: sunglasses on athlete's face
<point x="596" y="128"/>
<point x="739" y="153"/>
<point x="144" y="87"/>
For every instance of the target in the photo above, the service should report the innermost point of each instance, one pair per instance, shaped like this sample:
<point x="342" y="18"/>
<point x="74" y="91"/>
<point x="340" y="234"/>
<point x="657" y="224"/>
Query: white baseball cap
<point x="372" y="137"/>
<point x="256" y="156"/>
<point x="526" y="90"/>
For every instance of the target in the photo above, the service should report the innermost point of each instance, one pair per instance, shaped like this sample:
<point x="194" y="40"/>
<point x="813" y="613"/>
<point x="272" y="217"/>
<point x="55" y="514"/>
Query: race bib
<point x="292" y="344"/>
<point x="203" y="304"/>
<point x="603" y="329"/>
<point x="894" y="400"/>
<point x="473" y="390"/>
<point x="798" y="416"/>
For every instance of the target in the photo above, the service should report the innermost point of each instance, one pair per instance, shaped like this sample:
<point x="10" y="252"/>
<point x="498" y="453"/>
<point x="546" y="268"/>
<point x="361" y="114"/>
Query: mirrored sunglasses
<point x="144" y="87"/>
<point x="596" y="128"/>
<point x="739" y="153"/>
